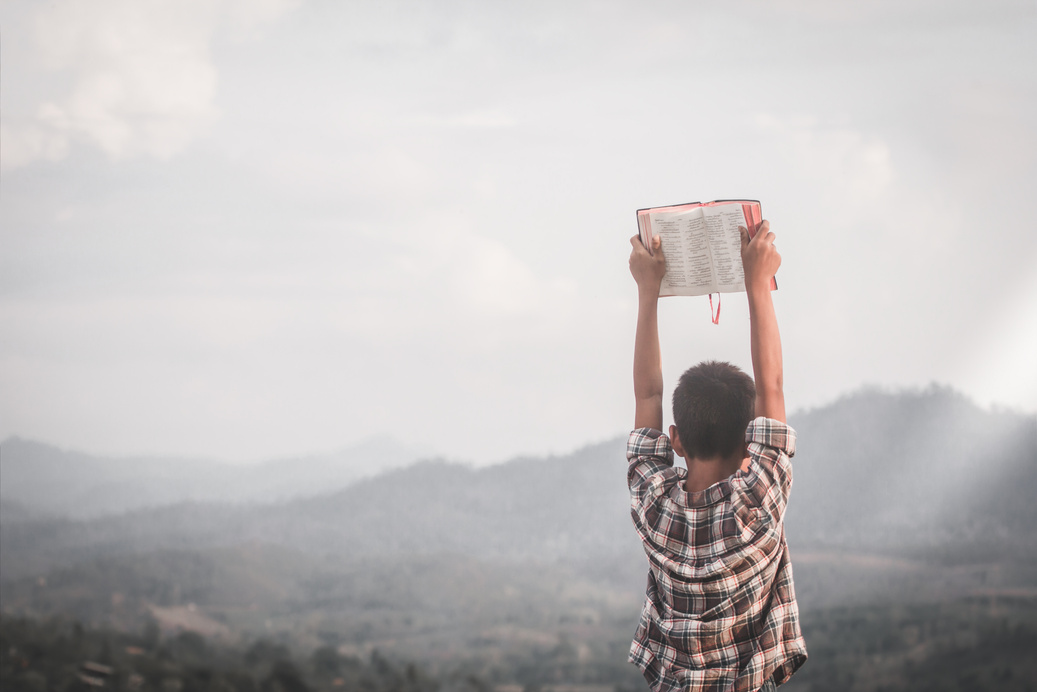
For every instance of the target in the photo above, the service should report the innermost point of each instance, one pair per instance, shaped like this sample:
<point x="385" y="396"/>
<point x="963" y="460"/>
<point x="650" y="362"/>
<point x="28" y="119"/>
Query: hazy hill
<point x="915" y="468"/>
<point x="904" y="471"/>
<point x="570" y="507"/>
<point x="874" y="470"/>
<point x="40" y="479"/>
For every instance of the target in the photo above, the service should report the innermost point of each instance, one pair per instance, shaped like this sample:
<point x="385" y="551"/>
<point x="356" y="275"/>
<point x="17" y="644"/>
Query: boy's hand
<point x="760" y="259"/>
<point x="647" y="269"/>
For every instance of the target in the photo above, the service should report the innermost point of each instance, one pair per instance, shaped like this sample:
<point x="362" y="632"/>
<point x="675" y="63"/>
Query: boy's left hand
<point x="647" y="268"/>
<point x="760" y="259"/>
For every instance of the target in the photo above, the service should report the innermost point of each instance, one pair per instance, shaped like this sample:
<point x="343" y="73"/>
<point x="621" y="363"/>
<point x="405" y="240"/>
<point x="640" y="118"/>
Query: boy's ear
<point x="675" y="441"/>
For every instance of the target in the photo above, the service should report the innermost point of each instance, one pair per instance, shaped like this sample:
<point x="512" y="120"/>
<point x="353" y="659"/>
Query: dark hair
<point x="712" y="405"/>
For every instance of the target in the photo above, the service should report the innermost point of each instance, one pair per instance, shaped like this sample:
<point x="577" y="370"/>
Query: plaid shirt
<point x="720" y="610"/>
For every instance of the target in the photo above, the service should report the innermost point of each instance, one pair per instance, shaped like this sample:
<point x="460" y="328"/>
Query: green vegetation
<point x="56" y="654"/>
<point x="972" y="645"/>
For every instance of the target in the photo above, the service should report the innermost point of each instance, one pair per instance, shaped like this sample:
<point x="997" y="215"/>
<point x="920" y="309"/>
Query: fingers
<point x="763" y="230"/>
<point x="639" y="247"/>
<point x="744" y="232"/>
<point x="764" y="235"/>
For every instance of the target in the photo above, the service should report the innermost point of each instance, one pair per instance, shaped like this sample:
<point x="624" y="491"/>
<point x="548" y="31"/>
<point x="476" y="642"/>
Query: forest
<point x="972" y="644"/>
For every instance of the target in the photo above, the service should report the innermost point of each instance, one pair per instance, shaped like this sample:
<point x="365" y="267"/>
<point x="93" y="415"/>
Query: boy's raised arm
<point x="648" y="270"/>
<point x="761" y="260"/>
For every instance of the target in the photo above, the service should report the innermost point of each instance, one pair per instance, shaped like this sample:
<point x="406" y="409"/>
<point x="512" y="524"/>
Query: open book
<point x="701" y="243"/>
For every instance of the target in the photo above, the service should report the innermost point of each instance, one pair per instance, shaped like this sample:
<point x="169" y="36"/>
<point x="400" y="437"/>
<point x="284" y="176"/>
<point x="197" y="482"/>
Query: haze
<point x="243" y="230"/>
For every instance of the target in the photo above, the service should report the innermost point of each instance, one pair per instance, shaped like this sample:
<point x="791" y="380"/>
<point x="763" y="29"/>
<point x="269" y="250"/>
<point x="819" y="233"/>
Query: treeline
<point x="976" y="644"/>
<point x="63" y="656"/>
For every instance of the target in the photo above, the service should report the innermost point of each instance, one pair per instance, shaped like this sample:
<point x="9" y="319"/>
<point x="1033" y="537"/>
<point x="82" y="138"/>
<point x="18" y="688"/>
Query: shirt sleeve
<point x="648" y="453"/>
<point x="772" y="433"/>
<point x="771" y="444"/>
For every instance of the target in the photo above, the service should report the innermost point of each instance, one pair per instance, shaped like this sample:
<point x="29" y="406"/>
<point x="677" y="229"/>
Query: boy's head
<point x="712" y="405"/>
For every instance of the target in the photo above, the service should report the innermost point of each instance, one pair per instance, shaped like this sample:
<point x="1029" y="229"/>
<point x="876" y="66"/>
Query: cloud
<point x="492" y="280"/>
<point x="487" y="119"/>
<point x="861" y="163"/>
<point x="136" y="77"/>
<point x="26" y="142"/>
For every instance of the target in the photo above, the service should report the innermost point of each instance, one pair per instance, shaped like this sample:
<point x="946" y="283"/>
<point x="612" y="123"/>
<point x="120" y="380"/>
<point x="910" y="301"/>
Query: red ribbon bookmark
<point x="715" y="315"/>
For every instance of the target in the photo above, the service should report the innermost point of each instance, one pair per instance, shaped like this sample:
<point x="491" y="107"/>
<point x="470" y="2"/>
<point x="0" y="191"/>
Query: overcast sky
<point x="242" y="229"/>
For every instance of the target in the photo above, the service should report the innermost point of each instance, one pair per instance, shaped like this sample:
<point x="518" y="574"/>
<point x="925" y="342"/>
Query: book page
<point x="725" y="242"/>
<point x="689" y="266"/>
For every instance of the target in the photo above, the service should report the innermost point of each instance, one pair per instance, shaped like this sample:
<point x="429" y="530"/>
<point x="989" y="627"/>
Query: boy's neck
<point x="703" y="473"/>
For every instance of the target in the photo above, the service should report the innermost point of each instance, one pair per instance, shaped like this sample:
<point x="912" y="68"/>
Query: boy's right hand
<point x="647" y="268"/>
<point x="760" y="259"/>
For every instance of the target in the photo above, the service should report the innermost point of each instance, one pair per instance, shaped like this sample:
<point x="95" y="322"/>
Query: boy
<point x="720" y="610"/>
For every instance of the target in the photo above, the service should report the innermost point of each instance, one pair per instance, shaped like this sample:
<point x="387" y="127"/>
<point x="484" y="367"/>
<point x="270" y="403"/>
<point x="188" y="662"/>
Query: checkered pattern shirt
<point x="720" y="610"/>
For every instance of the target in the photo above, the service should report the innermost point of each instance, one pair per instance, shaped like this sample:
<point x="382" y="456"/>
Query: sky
<point x="246" y="229"/>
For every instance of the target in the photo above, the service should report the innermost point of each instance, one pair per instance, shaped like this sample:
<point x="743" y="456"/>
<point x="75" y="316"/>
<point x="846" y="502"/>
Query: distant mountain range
<point x="38" y="480"/>
<point x="925" y="467"/>
<point x="875" y="470"/>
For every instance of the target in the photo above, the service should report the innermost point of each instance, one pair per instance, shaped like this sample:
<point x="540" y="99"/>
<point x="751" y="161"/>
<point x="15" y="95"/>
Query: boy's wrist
<point x="758" y="289"/>
<point x="647" y="293"/>
<point x="649" y="287"/>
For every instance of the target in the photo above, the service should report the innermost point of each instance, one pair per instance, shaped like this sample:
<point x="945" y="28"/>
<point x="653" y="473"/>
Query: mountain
<point x="569" y="507"/>
<point x="44" y="480"/>
<point x="876" y="471"/>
